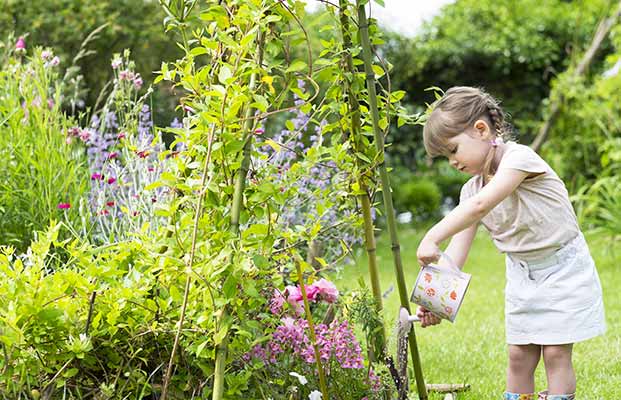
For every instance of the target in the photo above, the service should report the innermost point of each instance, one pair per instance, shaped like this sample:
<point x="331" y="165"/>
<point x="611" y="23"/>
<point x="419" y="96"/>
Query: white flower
<point x="315" y="395"/>
<point x="301" y="378"/>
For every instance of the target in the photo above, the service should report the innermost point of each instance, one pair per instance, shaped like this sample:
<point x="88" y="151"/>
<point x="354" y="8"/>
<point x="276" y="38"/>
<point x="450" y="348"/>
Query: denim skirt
<point x="554" y="300"/>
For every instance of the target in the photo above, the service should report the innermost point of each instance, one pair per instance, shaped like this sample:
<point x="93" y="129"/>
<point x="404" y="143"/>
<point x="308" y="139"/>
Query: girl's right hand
<point x="427" y="318"/>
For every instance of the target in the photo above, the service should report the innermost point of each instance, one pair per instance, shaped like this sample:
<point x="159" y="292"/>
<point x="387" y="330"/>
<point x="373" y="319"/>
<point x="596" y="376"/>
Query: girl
<point x="553" y="297"/>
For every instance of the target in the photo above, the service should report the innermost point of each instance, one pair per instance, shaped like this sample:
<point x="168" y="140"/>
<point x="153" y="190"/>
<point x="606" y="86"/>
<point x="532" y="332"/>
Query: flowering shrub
<point x="290" y="345"/>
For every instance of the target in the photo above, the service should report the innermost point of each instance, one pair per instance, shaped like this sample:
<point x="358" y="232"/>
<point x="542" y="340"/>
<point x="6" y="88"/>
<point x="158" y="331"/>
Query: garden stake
<point x="311" y="329"/>
<point x="238" y="195"/>
<point x="363" y="24"/>
<point x="365" y="201"/>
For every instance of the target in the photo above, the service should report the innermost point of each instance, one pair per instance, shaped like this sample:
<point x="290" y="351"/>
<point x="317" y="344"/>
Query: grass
<point x="473" y="349"/>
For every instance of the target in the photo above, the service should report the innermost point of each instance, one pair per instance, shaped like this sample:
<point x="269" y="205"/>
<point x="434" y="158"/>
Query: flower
<point x="112" y="155"/>
<point x="111" y="180"/>
<point x="53" y="62"/>
<point x="259" y="131"/>
<point x="138" y="82"/>
<point x="121" y="135"/>
<point x="20" y="46"/>
<point x="116" y="62"/>
<point x="277" y="301"/>
<point x="326" y="290"/>
<point x="96" y="177"/>
<point x="301" y="378"/>
<point x="46" y="55"/>
<point x="64" y="206"/>
<point x="110" y="203"/>
<point x="315" y="395"/>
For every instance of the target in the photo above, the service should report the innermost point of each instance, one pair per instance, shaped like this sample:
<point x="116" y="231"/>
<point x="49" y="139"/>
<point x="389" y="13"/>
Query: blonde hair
<point x="456" y="112"/>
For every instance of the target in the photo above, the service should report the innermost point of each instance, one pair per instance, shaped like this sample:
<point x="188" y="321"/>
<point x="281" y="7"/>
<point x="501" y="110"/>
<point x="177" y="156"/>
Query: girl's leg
<point x="523" y="360"/>
<point x="559" y="369"/>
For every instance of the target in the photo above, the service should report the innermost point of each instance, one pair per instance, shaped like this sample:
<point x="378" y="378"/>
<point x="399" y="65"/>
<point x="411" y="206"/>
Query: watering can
<point x="441" y="289"/>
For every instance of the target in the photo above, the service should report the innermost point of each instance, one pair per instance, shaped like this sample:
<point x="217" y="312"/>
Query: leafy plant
<point x="41" y="176"/>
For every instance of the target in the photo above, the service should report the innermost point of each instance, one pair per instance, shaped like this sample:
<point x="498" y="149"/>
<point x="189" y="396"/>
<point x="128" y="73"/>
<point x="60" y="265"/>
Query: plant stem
<point x="386" y="190"/>
<point x="311" y="329"/>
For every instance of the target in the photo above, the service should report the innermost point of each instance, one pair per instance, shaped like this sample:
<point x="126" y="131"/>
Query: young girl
<point x="553" y="297"/>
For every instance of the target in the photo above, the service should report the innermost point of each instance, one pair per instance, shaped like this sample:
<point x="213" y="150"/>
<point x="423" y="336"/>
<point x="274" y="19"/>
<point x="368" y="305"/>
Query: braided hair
<point x="456" y="112"/>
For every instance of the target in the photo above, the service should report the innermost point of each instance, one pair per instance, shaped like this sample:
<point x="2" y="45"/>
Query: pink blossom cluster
<point x="335" y="340"/>
<point x="134" y="77"/>
<point x="319" y="290"/>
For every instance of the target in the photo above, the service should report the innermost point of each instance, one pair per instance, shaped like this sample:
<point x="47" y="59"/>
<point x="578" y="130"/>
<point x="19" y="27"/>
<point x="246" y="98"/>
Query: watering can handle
<point x="451" y="262"/>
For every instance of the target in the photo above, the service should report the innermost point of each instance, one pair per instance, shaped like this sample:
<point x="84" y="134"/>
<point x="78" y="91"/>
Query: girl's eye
<point x="454" y="150"/>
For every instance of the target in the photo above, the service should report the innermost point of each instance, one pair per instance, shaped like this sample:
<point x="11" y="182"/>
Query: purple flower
<point x="46" y="55"/>
<point x="64" y="206"/>
<point x="138" y="82"/>
<point x="96" y="177"/>
<point x="116" y="63"/>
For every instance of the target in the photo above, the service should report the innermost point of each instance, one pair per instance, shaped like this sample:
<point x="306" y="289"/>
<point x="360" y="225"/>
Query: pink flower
<point x="96" y="177"/>
<point x="277" y="301"/>
<point x="73" y="131"/>
<point x="110" y="203"/>
<point x="53" y="62"/>
<point x="84" y="135"/>
<point x="64" y="206"/>
<point x="112" y="155"/>
<point x="121" y="135"/>
<point x="50" y="103"/>
<point x="116" y="63"/>
<point x="311" y="292"/>
<point x="259" y="131"/>
<point x="142" y="153"/>
<point x="111" y="181"/>
<point x="326" y="290"/>
<point x="20" y="46"/>
<point x="293" y="293"/>
<point x="138" y="82"/>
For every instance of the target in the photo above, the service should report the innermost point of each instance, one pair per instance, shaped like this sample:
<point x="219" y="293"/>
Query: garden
<point x="223" y="199"/>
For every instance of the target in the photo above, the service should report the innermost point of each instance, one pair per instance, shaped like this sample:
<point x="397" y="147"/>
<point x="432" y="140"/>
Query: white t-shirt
<point x="536" y="219"/>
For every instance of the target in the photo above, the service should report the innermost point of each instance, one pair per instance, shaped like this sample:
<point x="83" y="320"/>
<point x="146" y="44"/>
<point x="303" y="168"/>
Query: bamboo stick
<point x="238" y="194"/>
<point x="365" y="201"/>
<point x="363" y="24"/>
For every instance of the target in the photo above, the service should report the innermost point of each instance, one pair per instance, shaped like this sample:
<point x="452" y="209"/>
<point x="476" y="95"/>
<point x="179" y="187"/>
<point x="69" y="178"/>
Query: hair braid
<point x="497" y="117"/>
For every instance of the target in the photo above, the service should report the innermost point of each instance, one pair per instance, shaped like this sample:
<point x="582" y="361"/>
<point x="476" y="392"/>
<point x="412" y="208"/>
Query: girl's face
<point x="468" y="151"/>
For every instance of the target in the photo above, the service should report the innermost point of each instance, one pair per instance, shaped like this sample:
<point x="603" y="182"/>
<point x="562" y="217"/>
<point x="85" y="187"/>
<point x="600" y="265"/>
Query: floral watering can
<point x="441" y="289"/>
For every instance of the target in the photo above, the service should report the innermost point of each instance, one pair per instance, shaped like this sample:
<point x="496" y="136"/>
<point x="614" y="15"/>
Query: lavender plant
<point x="125" y="155"/>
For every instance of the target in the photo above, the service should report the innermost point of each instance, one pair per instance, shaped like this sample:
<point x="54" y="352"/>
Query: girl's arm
<point x="469" y="212"/>
<point x="459" y="246"/>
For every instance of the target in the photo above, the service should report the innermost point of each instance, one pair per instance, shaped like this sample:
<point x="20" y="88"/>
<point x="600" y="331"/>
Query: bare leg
<point x="559" y="369"/>
<point x="523" y="360"/>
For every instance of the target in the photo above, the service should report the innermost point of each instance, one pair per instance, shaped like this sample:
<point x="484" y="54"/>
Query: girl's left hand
<point x="428" y="252"/>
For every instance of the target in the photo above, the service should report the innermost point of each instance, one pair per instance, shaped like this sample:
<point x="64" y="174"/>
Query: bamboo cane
<point x="363" y="24"/>
<point x="365" y="201"/>
<point x="240" y="184"/>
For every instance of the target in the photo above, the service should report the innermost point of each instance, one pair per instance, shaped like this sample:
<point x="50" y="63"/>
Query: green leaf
<point x="296" y="66"/>
<point x="201" y="347"/>
<point x="229" y="289"/>
<point x="378" y="71"/>
<point x="224" y="74"/>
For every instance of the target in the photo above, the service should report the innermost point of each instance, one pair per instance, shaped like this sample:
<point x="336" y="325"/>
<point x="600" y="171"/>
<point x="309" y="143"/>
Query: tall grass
<point x="39" y="170"/>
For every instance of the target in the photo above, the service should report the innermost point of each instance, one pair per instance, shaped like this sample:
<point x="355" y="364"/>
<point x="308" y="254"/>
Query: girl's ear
<point x="482" y="129"/>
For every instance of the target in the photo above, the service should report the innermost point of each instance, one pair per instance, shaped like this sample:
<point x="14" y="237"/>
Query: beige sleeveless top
<point x="537" y="218"/>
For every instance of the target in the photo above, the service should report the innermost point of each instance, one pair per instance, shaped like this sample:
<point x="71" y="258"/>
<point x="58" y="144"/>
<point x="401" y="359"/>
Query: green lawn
<point x="473" y="349"/>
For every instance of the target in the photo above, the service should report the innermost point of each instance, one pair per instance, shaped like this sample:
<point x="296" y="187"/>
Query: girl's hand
<point x="426" y="317"/>
<point x="428" y="252"/>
